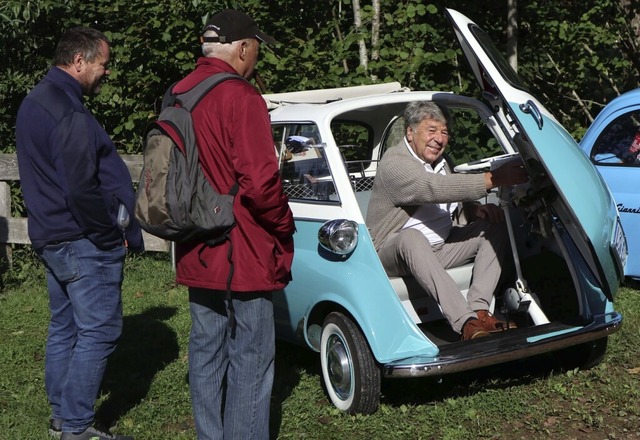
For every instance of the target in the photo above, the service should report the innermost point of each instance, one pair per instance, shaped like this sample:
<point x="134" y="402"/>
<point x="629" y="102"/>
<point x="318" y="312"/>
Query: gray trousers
<point x="409" y="253"/>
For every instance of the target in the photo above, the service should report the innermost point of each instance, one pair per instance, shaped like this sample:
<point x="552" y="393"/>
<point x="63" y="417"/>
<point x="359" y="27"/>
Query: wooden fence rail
<point x="13" y="230"/>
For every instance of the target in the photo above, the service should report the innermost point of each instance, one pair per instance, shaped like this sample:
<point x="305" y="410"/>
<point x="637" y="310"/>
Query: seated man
<point x="410" y="220"/>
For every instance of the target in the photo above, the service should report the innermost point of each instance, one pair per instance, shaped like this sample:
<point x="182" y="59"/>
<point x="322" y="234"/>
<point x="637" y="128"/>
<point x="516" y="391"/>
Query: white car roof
<point x="317" y="105"/>
<point x="322" y="96"/>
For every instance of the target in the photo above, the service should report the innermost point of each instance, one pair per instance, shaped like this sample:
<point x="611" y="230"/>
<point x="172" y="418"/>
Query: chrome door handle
<point x="530" y="108"/>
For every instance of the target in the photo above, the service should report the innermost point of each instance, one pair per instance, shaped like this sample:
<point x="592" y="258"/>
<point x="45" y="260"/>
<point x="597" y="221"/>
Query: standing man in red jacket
<point x="232" y="340"/>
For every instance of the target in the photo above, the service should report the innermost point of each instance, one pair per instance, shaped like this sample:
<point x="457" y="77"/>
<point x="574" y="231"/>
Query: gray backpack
<point x="175" y="201"/>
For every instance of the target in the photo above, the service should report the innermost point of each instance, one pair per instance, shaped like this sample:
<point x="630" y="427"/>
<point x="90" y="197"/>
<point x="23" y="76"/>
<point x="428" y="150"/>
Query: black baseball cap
<point x="232" y="25"/>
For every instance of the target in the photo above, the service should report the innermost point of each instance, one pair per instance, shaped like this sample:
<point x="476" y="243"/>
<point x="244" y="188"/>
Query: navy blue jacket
<point x="72" y="178"/>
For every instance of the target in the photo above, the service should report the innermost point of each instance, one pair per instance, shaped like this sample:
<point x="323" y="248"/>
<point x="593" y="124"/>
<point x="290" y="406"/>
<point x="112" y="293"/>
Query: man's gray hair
<point x="217" y="50"/>
<point x="417" y="111"/>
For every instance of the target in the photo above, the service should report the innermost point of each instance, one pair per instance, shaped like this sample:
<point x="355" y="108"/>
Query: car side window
<point x="393" y="134"/>
<point x="619" y="142"/>
<point x="304" y="170"/>
<point x="355" y="142"/>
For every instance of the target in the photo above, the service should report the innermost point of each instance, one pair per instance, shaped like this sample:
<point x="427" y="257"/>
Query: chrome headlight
<point x="339" y="236"/>
<point x="619" y="245"/>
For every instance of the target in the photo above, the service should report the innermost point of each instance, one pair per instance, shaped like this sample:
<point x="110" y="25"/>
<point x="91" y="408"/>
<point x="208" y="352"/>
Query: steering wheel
<point x="486" y="164"/>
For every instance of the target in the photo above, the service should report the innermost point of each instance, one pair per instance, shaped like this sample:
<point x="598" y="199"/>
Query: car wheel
<point x="349" y="371"/>
<point x="583" y="356"/>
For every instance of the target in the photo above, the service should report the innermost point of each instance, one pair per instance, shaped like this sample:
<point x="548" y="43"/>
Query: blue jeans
<point x="84" y="285"/>
<point x="231" y="377"/>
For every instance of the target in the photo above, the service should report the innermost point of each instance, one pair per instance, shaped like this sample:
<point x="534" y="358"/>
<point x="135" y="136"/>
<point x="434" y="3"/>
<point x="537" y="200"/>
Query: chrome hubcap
<point x="339" y="366"/>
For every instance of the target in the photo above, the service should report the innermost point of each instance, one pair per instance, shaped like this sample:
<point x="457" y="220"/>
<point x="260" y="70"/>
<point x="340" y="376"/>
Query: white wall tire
<point x="350" y="374"/>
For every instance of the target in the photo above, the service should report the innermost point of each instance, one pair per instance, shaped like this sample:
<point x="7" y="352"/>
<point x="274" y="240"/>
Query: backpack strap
<point x="169" y="99"/>
<point x="190" y="99"/>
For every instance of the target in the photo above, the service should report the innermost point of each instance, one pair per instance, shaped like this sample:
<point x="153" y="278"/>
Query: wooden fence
<point x="13" y="230"/>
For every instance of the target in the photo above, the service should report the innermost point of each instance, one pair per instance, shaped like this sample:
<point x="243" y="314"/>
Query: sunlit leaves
<point x="563" y="53"/>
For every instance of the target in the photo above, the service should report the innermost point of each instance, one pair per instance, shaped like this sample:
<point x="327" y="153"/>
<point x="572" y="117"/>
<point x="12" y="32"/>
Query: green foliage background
<point x="575" y="57"/>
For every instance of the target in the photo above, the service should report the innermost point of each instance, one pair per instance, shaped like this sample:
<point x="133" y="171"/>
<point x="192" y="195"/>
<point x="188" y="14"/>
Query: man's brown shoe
<point x="472" y="329"/>
<point x="492" y="324"/>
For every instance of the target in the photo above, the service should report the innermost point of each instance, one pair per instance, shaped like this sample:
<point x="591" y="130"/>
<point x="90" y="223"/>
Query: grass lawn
<point x="145" y="391"/>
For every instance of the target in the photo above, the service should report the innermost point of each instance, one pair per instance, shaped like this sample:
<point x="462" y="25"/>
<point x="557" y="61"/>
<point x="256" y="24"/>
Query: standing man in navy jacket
<point x="74" y="184"/>
<point x="231" y="362"/>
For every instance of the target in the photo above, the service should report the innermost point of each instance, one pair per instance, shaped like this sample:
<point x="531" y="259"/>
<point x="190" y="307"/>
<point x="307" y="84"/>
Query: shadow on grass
<point x="631" y="283"/>
<point x="290" y="360"/>
<point x="146" y="346"/>
<point x="397" y="392"/>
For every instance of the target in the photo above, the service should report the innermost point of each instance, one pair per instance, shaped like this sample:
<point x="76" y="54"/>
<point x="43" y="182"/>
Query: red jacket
<point x="235" y="143"/>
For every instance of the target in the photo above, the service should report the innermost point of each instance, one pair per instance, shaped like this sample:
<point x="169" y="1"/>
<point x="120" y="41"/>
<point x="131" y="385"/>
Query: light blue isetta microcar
<point x="567" y="244"/>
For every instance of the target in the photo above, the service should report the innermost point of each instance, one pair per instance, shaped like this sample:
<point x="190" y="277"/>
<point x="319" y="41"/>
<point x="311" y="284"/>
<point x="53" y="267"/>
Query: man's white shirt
<point x="432" y="219"/>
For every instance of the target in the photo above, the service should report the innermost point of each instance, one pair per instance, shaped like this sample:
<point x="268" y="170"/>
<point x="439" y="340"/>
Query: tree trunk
<point x="375" y="35"/>
<point x="375" y="30"/>
<point x="512" y="33"/>
<point x="362" y="47"/>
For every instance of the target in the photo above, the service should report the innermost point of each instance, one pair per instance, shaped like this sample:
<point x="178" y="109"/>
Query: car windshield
<point x="498" y="59"/>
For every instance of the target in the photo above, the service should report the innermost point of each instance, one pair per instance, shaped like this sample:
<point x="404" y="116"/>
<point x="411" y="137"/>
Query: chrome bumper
<point x="505" y="347"/>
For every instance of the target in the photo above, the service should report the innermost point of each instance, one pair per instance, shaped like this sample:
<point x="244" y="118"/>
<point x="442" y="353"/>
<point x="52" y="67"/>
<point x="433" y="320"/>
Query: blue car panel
<point x="575" y="175"/>
<point x="612" y="143"/>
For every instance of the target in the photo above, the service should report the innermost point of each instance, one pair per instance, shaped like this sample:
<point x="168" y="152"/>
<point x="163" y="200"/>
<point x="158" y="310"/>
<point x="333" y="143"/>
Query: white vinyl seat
<point x="418" y="303"/>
